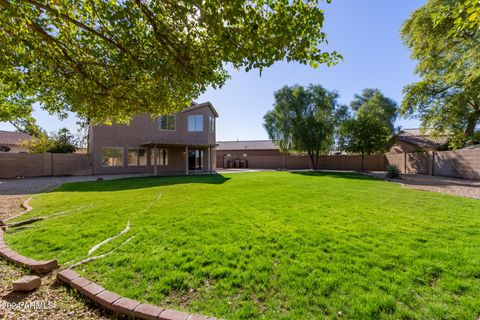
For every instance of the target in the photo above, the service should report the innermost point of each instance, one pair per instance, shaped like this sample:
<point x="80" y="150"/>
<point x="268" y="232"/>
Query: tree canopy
<point x="303" y="120"/>
<point x="109" y="60"/>
<point x="61" y="141"/>
<point x="444" y="38"/>
<point x="371" y="125"/>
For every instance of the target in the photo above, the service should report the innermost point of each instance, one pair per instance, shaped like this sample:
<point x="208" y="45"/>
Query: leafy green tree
<point x="447" y="97"/>
<point x="465" y="15"/>
<point x="374" y="98"/>
<point x="58" y="142"/>
<point x="303" y="120"/>
<point x="371" y="127"/>
<point x="109" y="60"/>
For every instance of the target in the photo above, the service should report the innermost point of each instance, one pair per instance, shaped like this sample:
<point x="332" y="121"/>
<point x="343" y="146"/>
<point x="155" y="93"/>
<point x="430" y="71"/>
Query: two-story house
<point x="181" y="143"/>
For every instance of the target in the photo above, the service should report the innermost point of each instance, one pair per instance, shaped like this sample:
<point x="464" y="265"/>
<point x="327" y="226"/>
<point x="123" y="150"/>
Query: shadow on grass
<point x="139" y="183"/>
<point x="340" y="175"/>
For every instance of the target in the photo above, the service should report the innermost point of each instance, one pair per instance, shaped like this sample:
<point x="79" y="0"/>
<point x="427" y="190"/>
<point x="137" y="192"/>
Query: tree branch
<point x="160" y="37"/>
<point x="79" y="24"/>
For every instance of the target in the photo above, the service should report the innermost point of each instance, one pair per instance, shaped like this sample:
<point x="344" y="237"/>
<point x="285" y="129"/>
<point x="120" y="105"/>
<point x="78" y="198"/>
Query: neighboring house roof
<point x="195" y="106"/>
<point x="422" y="139"/>
<point x="10" y="138"/>
<point x="246" y="145"/>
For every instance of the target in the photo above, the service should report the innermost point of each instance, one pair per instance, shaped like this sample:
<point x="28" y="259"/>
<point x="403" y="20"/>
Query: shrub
<point x="393" y="172"/>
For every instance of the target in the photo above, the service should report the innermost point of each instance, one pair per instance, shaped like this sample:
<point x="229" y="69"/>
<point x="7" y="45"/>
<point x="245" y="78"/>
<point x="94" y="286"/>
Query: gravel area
<point x="10" y="205"/>
<point x="447" y="185"/>
<point x="50" y="301"/>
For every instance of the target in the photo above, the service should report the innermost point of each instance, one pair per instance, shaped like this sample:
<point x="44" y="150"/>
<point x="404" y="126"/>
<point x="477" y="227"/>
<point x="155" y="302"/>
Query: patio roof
<point x="170" y="144"/>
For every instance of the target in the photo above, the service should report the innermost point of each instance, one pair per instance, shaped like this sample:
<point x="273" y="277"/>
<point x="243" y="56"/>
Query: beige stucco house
<point x="181" y="143"/>
<point x="11" y="141"/>
<point x="417" y="140"/>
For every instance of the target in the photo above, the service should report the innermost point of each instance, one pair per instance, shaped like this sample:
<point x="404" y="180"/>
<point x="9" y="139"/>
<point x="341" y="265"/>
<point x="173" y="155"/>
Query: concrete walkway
<point x="37" y="185"/>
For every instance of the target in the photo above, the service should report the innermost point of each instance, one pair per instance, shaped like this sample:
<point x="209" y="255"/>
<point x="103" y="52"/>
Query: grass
<point x="272" y="245"/>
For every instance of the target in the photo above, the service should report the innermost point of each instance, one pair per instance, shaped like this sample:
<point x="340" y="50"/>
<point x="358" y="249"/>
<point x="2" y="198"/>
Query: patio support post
<point x="186" y="160"/>
<point x="209" y="161"/>
<point x="155" y="161"/>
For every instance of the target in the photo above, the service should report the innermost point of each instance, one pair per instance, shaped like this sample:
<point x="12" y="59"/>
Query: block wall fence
<point x="463" y="163"/>
<point x="14" y="165"/>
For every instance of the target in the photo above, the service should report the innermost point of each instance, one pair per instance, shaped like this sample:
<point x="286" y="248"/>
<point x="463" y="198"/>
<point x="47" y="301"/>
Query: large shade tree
<point x="304" y="120"/>
<point x="108" y="60"/>
<point x="444" y="37"/>
<point x="371" y="125"/>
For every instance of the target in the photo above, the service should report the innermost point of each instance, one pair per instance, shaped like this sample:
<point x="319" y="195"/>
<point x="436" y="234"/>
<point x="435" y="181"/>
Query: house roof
<point x="247" y="145"/>
<point x="422" y="138"/>
<point x="10" y="138"/>
<point x="195" y="106"/>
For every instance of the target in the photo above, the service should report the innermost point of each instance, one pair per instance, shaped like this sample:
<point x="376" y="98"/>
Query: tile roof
<point x="10" y="138"/>
<point x="247" y="145"/>
<point x="422" y="138"/>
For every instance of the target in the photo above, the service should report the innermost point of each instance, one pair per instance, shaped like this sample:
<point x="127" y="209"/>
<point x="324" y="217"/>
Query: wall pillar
<point x="209" y="160"/>
<point x="47" y="164"/>
<point x="186" y="160"/>
<point x="155" y="161"/>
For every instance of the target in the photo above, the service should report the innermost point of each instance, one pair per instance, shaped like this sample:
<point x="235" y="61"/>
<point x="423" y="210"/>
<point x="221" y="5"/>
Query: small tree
<point x="365" y="134"/>
<point x="58" y="142"/>
<point x="303" y="120"/>
<point x="371" y="128"/>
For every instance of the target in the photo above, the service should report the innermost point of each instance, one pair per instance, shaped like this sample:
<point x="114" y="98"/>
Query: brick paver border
<point x="121" y="305"/>
<point x="34" y="265"/>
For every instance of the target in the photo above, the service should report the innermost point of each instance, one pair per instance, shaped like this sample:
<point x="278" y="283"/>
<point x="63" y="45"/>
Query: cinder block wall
<point x="461" y="164"/>
<point x="278" y="160"/>
<point x="13" y="165"/>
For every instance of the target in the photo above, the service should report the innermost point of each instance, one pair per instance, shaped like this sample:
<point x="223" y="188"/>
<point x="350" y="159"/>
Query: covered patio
<point x="194" y="158"/>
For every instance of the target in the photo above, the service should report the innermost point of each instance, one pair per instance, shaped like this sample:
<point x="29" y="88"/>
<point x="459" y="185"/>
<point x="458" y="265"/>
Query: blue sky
<point x="366" y="33"/>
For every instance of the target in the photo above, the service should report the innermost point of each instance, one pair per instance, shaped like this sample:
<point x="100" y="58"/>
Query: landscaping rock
<point x="27" y="283"/>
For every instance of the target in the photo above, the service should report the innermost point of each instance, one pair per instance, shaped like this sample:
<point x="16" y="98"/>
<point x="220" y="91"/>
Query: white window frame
<point x="121" y="157"/>
<point x="168" y="116"/>
<point x="211" y="124"/>
<point x="138" y="157"/>
<point x="197" y="125"/>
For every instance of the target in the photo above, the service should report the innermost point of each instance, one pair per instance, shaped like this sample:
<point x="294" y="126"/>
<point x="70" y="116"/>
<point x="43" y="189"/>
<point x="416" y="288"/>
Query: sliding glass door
<point x="195" y="159"/>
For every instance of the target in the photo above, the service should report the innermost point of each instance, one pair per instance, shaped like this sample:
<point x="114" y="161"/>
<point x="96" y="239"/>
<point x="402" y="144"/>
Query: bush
<point x="58" y="142"/>
<point x="393" y="172"/>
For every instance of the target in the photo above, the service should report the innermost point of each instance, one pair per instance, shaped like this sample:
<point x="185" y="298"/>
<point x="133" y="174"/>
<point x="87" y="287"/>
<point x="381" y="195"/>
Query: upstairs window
<point x="112" y="157"/>
<point x="195" y="123"/>
<point x="166" y="122"/>
<point x="137" y="157"/>
<point x="211" y="124"/>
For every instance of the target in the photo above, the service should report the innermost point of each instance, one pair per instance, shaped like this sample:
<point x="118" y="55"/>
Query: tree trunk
<point x="363" y="158"/>
<point x="472" y="123"/>
<point x="312" y="161"/>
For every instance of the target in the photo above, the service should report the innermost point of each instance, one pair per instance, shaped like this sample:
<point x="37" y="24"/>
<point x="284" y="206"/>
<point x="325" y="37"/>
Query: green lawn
<point x="273" y="245"/>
